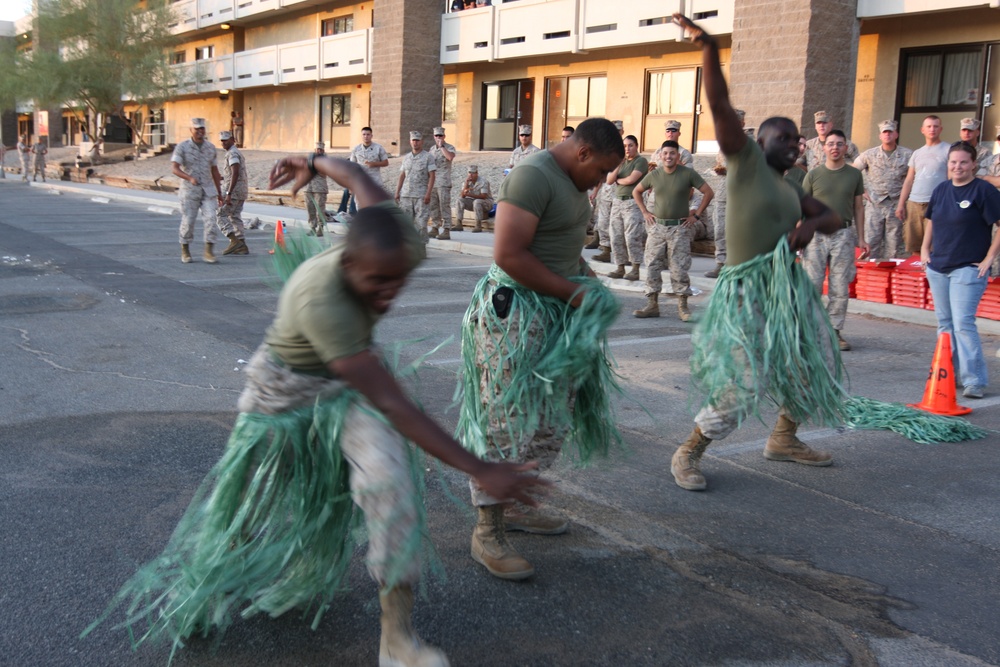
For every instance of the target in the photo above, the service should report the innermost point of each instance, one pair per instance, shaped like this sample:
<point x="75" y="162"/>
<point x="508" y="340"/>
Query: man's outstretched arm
<point x="728" y="128"/>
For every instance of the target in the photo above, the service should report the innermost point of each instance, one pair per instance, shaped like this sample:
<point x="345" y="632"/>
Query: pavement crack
<point x="45" y="357"/>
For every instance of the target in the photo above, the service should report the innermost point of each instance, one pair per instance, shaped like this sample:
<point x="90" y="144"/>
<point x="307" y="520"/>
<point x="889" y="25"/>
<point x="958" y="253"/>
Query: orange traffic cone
<point x="939" y="395"/>
<point x="279" y="237"/>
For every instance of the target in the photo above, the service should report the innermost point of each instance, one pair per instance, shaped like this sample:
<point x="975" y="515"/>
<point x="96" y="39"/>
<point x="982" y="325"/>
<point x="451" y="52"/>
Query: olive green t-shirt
<point x="673" y="191"/>
<point x="638" y="164"/>
<point x="319" y="318"/>
<point x="836" y="188"/>
<point x="763" y="206"/>
<point x="795" y="175"/>
<point x="541" y="188"/>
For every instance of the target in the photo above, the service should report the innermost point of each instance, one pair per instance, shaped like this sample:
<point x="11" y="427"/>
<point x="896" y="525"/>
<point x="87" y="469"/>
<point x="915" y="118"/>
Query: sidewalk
<point x="478" y="244"/>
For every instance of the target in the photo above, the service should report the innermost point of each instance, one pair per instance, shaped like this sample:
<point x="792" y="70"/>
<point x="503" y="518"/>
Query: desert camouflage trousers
<point x="381" y="484"/>
<point x="628" y="232"/>
<point x="673" y="245"/>
<point x="835" y="251"/>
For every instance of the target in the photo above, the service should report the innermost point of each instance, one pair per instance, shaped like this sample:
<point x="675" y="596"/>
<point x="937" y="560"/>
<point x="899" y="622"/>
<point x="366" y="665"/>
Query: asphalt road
<point x="119" y="374"/>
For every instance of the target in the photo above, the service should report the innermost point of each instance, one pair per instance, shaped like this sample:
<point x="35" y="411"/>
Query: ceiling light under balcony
<point x="224" y="91"/>
<point x="225" y="26"/>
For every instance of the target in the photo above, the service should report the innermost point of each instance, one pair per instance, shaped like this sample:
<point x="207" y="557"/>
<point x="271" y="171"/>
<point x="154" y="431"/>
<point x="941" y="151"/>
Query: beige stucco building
<point x="302" y="70"/>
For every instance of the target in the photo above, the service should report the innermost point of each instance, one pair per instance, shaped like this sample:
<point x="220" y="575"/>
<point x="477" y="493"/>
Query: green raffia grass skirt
<point x="765" y="337"/>
<point x="533" y="376"/>
<point x="272" y="528"/>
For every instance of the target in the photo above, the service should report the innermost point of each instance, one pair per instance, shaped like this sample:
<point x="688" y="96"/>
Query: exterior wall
<point x="178" y="114"/>
<point x="288" y="30"/>
<point x="806" y="66"/>
<point x="879" y="61"/>
<point x="626" y="71"/>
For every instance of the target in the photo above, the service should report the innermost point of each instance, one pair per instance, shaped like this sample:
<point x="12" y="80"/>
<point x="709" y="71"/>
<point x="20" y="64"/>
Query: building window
<point x="178" y="57"/>
<point x="942" y="78"/>
<point x="449" y="111"/>
<point x="204" y="52"/>
<point x="335" y="111"/>
<point x="586" y="96"/>
<point x="671" y="92"/>
<point x="338" y="25"/>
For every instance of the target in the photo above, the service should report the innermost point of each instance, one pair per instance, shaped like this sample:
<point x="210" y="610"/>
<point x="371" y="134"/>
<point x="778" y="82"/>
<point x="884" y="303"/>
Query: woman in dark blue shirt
<point x="957" y="254"/>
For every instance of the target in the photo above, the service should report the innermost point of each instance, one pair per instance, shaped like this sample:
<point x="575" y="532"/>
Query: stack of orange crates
<point x="874" y="282"/>
<point x="989" y="305"/>
<point x="909" y="284"/>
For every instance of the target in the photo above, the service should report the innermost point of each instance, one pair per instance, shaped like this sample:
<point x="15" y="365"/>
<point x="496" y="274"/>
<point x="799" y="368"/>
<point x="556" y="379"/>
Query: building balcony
<point x="869" y="9"/>
<point x="542" y="27"/>
<point x="197" y="14"/>
<point x="319" y="59"/>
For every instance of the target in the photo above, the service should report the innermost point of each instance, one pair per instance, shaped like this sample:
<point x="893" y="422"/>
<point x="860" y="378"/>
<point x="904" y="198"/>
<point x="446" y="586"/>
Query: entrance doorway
<point x="506" y="104"/>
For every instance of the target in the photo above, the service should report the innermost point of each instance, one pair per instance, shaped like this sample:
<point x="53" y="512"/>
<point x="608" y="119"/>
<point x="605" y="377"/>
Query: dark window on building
<point x="942" y="78"/>
<point x="338" y="25"/>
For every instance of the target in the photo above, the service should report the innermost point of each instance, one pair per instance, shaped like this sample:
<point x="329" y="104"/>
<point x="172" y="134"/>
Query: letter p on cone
<point x="939" y="394"/>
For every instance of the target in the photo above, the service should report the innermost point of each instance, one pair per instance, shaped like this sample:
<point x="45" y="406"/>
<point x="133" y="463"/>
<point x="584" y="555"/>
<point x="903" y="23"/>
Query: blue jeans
<point x="956" y="298"/>
<point x="343" y="203"/>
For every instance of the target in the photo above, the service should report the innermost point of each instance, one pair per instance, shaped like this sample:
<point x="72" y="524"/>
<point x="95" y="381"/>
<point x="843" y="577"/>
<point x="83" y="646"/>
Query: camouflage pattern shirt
<point x="884" y="172"/>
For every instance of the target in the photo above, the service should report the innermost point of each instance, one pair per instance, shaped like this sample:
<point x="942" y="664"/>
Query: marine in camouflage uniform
<point x="416" y="183"/>
<point x="969" y="130"/>
<point x="193" y="161"/>
<point x="670" y="227"/>
<point x="884" y="168"/>
<point x="525" y="148"/>
<point x="316" y="191"/>
<point x="440" y="204"/>
<point x="38" y="152"/>
<point x="628" y="233"/>
<point x="475" y="197"/>
<point x="234" y="195"/>
<point x="814" y="147"/>
<point x="841" y="187"/>
<point x="24" y="155"/>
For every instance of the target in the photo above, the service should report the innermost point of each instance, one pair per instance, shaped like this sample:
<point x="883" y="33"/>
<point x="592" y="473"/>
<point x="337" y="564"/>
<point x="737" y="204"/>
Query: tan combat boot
<point x="491" y="549"/>
<point x="185" y="253"/>
<point x="593" y="243"/>
<point x="652" y="308"/>
<point x="458" y="227"/>
<point x="237" y="246"/>
<point x="618" y="273"/>
<point x="445" y="235"/>
<point x="478" y="228"/>
<point x="784" y="446"/>
<point x="714" y="273"/>
<point x="400" y="646"/>
<point x="432" y="232"/>
<point x="842" y="344"/>
<point x="682" y="308"/>
<point x="634" y="273"/>
<point x="604" y="255"/>
<point x="208" y="256"/>
<point x="533" y="520"/>
<point x="684" y="464"/>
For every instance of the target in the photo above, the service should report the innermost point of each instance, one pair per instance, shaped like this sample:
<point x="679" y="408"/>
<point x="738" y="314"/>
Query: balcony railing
<point x="537" y="27"/>
<point x="309" y="60"/>
<point x="194" y="14"/>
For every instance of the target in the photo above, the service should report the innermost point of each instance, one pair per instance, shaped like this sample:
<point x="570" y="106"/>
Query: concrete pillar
<point x="795" y="57"/>
<point x="406" y="71"/>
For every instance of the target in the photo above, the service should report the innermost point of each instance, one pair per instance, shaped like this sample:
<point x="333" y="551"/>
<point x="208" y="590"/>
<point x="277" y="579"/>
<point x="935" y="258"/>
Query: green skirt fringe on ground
<point x="765" y="336"/>
<point x="272" y="528"/>
<point x="572" y="358"/>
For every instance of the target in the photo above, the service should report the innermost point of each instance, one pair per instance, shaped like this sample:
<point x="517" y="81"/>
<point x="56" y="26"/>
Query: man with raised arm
<point x="740" y="359"/>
